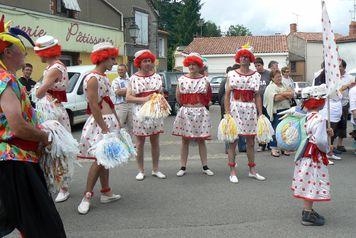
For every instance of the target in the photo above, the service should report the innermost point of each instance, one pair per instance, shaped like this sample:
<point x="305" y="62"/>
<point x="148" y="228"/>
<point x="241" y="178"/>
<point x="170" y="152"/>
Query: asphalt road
<point x="200" y="206"/>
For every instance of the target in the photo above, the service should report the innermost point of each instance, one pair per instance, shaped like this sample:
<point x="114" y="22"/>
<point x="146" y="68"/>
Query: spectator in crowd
<point x="319" y="77"/>
<point x="265" y="79"/>
<point x="123" y="109"/>
<point x="221" y="97"/>
<point x="273" y="65"/>
<point x="276" y="99"/>
<point x="288" y="82"/>
<point x="26" y="79"/>
<point x="347" y="81"/>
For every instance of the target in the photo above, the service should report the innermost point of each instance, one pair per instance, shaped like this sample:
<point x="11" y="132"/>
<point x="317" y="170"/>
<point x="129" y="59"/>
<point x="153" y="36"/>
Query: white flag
<point x="331" y="55"/>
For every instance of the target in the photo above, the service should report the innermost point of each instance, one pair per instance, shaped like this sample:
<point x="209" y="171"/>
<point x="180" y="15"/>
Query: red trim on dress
<point x="194" y="137"/>
<point x="145" y="76"/>
<point x="312" y="199"/>
<point x="253" y="72"/>
<point x="244" y="95"/>
<point x="107" y="99"/>
<point x="98" y="72"/>
<point x="61" y="96"/>
<point x="187" y="76"/>
<point x="155" y="133"/>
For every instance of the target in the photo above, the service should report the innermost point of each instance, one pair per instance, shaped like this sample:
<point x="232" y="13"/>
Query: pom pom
<point x="227" y="130"/>
<point x="145" y="55"/>
<point x="51" y="52"/>
<point x="264" y="130"/>
<point x="126" y="139"/>
<point x="157" y="107"/>
<point x="101" y="55"/>
<point x="193" y="60"/>
<point x="58" y="160"/>
<point x="110" y="152"/>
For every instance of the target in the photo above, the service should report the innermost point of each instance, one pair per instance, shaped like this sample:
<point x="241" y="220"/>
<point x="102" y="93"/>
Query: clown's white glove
<point x="293" y="111"/>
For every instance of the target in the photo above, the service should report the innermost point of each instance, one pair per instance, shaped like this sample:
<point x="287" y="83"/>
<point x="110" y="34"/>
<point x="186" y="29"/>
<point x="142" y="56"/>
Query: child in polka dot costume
<point x="193" y="120"/>
<point x="311" y="177"/>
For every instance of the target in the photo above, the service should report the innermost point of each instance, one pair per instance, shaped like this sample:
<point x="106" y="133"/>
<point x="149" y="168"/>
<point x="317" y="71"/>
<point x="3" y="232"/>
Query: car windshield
<point x="216" y="80"/>
<point x="73" y="78"/>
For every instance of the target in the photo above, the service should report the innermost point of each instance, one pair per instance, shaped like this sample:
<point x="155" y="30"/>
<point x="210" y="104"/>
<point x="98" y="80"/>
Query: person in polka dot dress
<point x="193" y="120"/>
<point x="141" y="86"/>
<point x="311" y="177"/>
<point x="244" y="104"/>
<point x="102" y="120"/>
<point x="54" y="85"/>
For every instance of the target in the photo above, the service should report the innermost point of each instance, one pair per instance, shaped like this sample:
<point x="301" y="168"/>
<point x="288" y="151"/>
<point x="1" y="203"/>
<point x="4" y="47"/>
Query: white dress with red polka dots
<point x="192" y="122"/>
<point x="311" y="179"/>
<point x="91" y="131"/>
<point x="61" y="84"/>
<point x="139" y="85"/>
<point x="244" y="113"/>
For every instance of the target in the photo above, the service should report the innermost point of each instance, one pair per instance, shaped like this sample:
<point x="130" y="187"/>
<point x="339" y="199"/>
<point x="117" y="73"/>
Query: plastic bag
<point x="58" y="160"/>
<point x="157" y="107"/>
<point x="110" y="152"/>
<point x="46" y="109"/>
<point x="289" y="133"/>
<point x="264" y="130"/>
<point x="227" y="130"/>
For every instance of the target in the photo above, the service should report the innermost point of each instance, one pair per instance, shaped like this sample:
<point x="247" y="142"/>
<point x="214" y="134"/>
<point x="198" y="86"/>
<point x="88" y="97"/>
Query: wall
<point x="347" y="52"/>
<point x="314" y="58"/>
<point x="218" y="65"/>
<point x="296" y="45"/>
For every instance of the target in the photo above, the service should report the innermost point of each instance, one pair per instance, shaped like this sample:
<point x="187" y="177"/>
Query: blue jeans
<point x="274" y="123"/>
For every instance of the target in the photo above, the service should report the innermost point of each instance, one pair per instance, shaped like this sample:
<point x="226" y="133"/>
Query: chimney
<point x="352" y="28"/>
<point x="293" y="27"/>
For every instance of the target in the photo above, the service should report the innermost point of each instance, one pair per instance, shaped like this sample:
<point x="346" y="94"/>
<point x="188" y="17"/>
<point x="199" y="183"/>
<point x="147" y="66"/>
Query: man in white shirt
<point x="123" y="109"/>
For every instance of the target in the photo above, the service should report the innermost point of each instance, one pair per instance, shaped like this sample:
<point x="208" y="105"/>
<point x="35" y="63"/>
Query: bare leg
<point x="155" y="151"/>
<point x="339" y="141"/>
<point x="250" y="143"/>
<point x="184" y="152"/>
<point x="203" y="152"/>
<point x="140" y="142"/>
<point x="93" y="175"/>
<point x="104" y="180"/>
<point x="308" y="205"/>
<point x="231" y="156"/>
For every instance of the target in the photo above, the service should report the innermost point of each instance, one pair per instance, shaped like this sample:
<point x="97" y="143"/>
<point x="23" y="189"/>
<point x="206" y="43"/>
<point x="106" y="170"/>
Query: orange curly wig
<point x="51" y="52"/>
<point x="101" y="55"/>
<point x="314" y="103"/>
<point x="244" y="52"/>
<point x="193" y="60"/>
<point x="145" y="55"/>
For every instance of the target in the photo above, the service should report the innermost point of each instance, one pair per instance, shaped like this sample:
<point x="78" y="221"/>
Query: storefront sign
<point x="73" y="35"/>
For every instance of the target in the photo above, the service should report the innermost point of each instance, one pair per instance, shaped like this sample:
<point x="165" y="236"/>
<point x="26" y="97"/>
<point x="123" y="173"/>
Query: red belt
<point x="107" y="99"/>
<point x="145" y="94"/>
<point x="313" y="152"/>
<point x="22" y="144"/>
<point x="61" y="96"/>
<point x="194" y="98"/>
<point x="244" y="95"/>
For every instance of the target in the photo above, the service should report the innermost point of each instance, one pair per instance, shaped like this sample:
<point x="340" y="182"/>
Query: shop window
<point x="293" y="67"/>
<point x="68" y="8"/>
<point x="161" y="48"/>
<point x="141" y="19"/>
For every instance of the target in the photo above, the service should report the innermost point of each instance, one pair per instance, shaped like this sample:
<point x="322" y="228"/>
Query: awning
<point x="71" y="5"/>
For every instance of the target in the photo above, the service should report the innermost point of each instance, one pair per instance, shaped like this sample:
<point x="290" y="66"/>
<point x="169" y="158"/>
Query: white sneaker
<point x="334" y="157"/>
<point x="62" y="196"/>
<point x="107" y="199"/>
<point x="140" y="176"/>
<point x="331" y="162"/>
<point x="180" y="173"/>
<point x="259" y="149"/>
<point x="158" y="174"/>
<point x="84" y="205"/>
<point x="256" y="176"/>
<point x="208" y="172"/>
<point x="233" y="179"/>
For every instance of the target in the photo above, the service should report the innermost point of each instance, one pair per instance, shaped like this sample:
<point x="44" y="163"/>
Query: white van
<point x="76" y="105"/>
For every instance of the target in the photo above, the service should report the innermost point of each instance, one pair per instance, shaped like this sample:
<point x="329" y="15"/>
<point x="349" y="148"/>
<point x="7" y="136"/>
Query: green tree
<point x="238" y="30"/>
<point x="211" y="29"/>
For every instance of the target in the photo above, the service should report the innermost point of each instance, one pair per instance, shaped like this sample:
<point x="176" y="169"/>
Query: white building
<point x="220" y="51"/>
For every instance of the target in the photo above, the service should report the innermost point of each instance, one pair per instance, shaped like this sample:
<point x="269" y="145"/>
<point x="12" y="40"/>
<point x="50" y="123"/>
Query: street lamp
<point x="133" y="29"/>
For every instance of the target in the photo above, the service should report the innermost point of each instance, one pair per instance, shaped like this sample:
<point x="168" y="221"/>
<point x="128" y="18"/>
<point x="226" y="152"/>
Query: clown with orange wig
<point x="311" y="177"/>
<point x="51" y="92"/>
<point x="193" y="122"/>
<point x="244" y="104"/>
<point x="101" y="125"/>
<point x="142" y="86"/>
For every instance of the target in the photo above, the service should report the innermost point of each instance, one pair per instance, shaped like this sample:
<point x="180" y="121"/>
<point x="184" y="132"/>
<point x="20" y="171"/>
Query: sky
<point x="267" y="17"/>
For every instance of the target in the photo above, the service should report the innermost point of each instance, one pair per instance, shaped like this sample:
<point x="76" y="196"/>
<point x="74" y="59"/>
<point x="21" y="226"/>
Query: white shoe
<point x="180" y="173"/>
<point x="84" y="205"/>
<point x="208" y="172"/>
<point x="331" y="162"/>
<point x="62" y="196"/>
<point x="233" y="179"/>
<point x="140" y="176"/>
<point x="107" y="199"/>
<point x="256" y="176"/>
<point x="334" y="157"/>
<point x="158" y="174"/>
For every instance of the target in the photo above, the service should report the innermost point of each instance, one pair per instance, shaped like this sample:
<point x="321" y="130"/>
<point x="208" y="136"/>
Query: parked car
<point x="76" y="105"/>
<point x="215" y="86"/>
<point x="298" y="86"/>
<point x="169" y="82"/>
